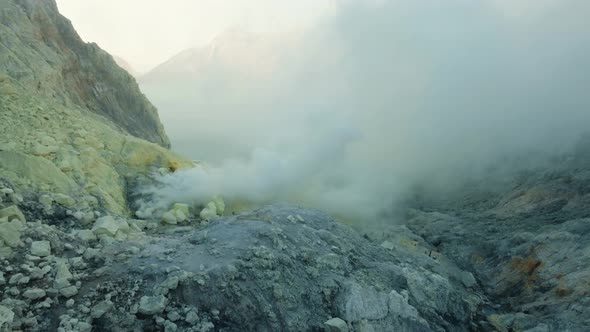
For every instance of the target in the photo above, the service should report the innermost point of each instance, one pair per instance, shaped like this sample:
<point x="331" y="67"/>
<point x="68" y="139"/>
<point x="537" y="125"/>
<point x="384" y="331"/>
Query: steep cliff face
<point x="40" y="49"/>
<point x="72" y="122"/>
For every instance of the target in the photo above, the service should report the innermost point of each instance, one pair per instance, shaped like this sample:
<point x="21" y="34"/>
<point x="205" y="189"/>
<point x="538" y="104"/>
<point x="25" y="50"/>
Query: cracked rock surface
<point x="279" y="267"/>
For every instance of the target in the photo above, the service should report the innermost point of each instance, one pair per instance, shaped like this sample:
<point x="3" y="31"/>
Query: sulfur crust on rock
<point x="26" y="169"/>
<point x="209" y="212"/>
<point x="12" y="223"/>
<point x="72" y="122"/>
<point x="92" y="158"/>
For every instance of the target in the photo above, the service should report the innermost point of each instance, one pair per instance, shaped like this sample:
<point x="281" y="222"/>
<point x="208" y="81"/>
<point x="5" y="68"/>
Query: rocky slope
<point x="509" y="262"/>
<point x="73" y="123"/>
<point x="527" y="242"/>
<point x="41" y="51"/>
<point x="275" y="268"/>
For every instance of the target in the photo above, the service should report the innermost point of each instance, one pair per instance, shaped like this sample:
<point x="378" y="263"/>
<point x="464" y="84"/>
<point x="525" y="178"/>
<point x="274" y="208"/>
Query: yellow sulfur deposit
<point x="71" y="153"/>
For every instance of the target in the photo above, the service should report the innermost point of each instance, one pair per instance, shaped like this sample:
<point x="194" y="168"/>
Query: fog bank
<point x="377" y="98"/>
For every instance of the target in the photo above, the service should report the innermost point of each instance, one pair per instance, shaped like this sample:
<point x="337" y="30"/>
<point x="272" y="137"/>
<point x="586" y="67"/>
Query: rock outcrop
<point x="527" y="244"/>
<point x="73" y="124"/>
<point x="41" y="52"/>
<point x="277" y="268"/>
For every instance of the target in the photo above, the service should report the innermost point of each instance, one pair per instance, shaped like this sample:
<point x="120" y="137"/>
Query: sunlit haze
<point x="146" y="32"/>
<point x="349" y="103"/>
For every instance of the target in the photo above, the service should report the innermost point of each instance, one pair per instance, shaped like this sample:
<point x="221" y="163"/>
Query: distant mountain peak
<point x="234" y="51"/>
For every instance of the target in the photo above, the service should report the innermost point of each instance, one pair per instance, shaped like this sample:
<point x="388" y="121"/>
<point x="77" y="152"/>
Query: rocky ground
<point x="517" y="262"/>
<point x="275" y="268"/>
<point x="527" y="243"/>
<point x="72" y="123"/>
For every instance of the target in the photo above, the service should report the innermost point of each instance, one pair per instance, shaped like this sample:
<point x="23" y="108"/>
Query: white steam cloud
<point x="383" y="95"/>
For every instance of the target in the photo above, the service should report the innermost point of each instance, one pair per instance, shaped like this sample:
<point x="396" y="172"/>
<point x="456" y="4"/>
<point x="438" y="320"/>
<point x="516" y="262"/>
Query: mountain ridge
<point x="235" y="49"/>
<point x="58" y="64"/>
<point x="73" y="122"/>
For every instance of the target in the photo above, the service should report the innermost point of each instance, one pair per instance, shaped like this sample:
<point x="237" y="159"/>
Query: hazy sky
<point x="148" y="32"/>
<point x="370" y="99"/>
<point x="380" y="97"/>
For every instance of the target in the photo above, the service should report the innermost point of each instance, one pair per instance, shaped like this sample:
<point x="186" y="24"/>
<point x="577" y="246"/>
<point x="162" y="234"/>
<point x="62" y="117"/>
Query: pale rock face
<point x="83" y="327"/>
<point x="169" y="218"/>
<point x="219" y="204"/>
<point x="46" y="201"/>
<point x="6" y="318"/>
<point x="106" y="226"/>
<point x="68" y="291"/>
<point x="109" y="227"/>
<point x="388" y="245"/>
<point x="38" y="273"/>
<point x="209" y="212"/>
<point x="63" y="271"/>
<point x="16" y="278"/>
<point x="85" y="235"/>
<point x="468" y="280"/>
<point x="336" y="325"/>
<point x="87" y="218"/>
<point x="41" y="248"/>
<point x="150" y="305"/>
<point x="179" y="213"/>
<point x="26" y="170"/>
<point x="398" y="305"/>
<point x="213" y="209"/>
<point x="34" y="294"/>
<point x="10" y="233"/>
<point x="173" y="316"/>
<point x="94" y="170"/>
<point x="138" y="225"/>
<point x="120" y="236"/>
<point x="64" y="200"/>
<point x="145" y="213"/>
<point x="171" y="283"/>
<point x="6" y="191"/>
<point x="12" y="212"/>
<point x="123" y="226"/>
<point x="5" y="252"/>
<point x="363" y="303"/>
<point x="179" y="207"/>
<point x="48" y="141"/>
<point x="180" y="216"/>
<point x="41" y="150"/>
<point x="101" y="308"/>
<point x="62" y="276"/>
<point x="191" y="317"/>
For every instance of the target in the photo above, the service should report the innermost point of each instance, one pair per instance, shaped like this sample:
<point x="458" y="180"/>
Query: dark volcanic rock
<point x="530" y="250"/>
<point x="283" y="268"/>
